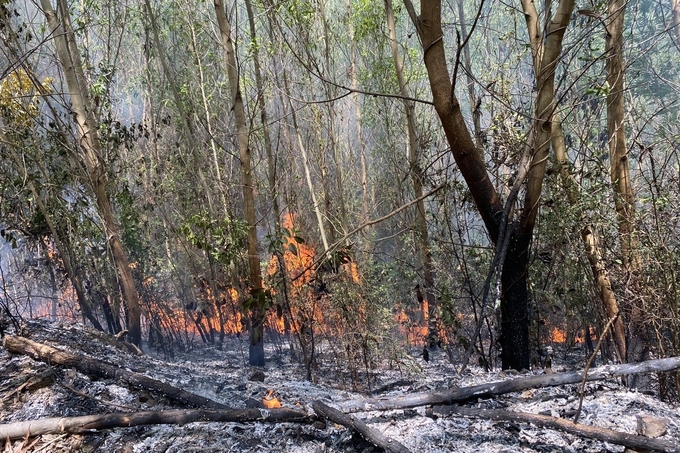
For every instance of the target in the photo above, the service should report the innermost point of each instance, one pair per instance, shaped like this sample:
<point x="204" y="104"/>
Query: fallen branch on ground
<point x="592" y="432"/>
<point x="349" y="421"/>
<point x="91" y="423"/>
<point x="98" y="369"/>
<point x="465" y="394"/>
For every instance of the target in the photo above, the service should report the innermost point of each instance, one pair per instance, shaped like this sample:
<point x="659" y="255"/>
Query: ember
<point x="270" y="401"/>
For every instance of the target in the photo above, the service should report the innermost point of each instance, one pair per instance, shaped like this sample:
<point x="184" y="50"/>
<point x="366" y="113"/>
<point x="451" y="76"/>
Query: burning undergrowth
<point x="30" y="390"/>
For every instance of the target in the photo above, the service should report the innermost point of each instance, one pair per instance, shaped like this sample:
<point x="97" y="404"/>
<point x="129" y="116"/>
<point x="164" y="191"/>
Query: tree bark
<point x="98" y="369"/>
<point x="258" y="310"/>
<point x="624" y="198"/>
<point x="545" y="421"/>
<point x="87" y="126"/>
<point x="349" y="421"/>
<point x="465" y="394"/>
<point x="90" y="423"/>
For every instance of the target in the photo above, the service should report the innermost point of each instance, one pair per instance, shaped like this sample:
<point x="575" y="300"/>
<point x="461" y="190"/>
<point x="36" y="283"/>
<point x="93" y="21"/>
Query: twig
<point x="589" y="363"/>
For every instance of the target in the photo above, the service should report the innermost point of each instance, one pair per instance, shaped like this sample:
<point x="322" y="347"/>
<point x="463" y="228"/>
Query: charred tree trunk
<point x="515" y="350"/>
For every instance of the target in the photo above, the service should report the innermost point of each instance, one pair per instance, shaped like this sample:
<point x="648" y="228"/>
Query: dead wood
<point x="492" y="389"/>
<point x="592" y="432"/>
<point x="91" y="423"/>
<point x="99" y="369"/>
<point x="349" y="421"/>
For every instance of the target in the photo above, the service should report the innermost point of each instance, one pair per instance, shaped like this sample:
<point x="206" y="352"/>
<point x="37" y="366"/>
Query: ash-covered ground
<point x="221" y="375"/>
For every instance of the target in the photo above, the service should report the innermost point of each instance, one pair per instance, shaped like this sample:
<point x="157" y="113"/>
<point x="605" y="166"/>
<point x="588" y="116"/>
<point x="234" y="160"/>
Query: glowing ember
<point x="271" y="402"/>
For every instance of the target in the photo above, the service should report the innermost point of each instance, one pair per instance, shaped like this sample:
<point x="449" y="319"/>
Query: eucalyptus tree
<point x="87" y="130"/>
<point x="512" y="236"/>
<point x="258" y="301"/>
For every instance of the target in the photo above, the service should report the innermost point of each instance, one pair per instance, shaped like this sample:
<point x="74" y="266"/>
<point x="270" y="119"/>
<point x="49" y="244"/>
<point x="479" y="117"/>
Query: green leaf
<point x="293" y="249"/>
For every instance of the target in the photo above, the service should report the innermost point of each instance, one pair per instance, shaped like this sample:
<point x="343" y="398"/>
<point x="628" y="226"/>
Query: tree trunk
<point x="600" y="274"/>
<point x="258" y="310"/>
<point x="637" y="348"/>
<point x="605" y="289"/>
<point x="514" y="339"/>
<point x="417" y="176"/>
<point x="89" y="141"/>
<point x="359" y="125"/>
<point x="492" y="389"/>
<point x="624" y="198"/>
<point x="471" y="163"/>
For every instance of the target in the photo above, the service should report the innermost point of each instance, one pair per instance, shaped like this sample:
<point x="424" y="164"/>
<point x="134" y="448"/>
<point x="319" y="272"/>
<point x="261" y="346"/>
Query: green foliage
<point x="222" y="239"/>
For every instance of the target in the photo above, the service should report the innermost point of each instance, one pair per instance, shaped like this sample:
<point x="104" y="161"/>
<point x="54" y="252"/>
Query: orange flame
<point x="558" y="335"/>
<point x="271" y="402"/>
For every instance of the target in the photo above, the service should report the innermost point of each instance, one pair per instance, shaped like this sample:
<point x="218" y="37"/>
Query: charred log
<point x="91" y="423"/>
<point x="98" y="369"/>
<point x="372" y="435"/>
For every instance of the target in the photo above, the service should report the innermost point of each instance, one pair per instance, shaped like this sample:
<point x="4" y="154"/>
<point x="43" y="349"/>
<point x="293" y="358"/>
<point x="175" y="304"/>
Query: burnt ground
<point x="220" y="374"/>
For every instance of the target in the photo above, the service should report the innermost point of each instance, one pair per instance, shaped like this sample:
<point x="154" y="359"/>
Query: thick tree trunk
<point x="515" y="350"/>
<point x="471" y="161"/>
<point x="69" y="57"/>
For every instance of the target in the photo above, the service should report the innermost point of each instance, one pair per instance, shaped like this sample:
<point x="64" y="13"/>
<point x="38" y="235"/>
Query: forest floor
<point x="220" y="374"/>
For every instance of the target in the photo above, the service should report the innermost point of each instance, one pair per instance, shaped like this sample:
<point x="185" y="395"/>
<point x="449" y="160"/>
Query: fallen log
<point x="91" y="423"/>
<point x="349" y="421"/>
<point x="465" y="394"/>
<point x="99" y="369"/>
<point x="592" y="432"/>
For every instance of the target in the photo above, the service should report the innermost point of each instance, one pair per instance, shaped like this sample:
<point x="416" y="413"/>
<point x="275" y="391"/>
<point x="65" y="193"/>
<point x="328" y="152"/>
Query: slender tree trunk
<point x="271" y="162"/>
<point x="475" y="102"/>
<point x="359" y="126"/>
<point x="332" y="135"/>
<point x="600" y="274"/>
<point x="606" y="293"/>
<point x="417" y="176"/>
<point x="97" y="175"/>
<point x="184" y="111"/>
<point x="258" y="310"/>
<point x="620" y="166"/>
<point x="624" y="197"/>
